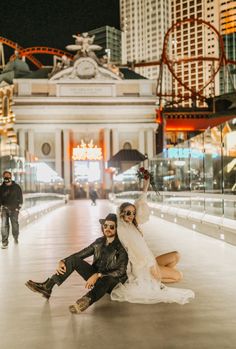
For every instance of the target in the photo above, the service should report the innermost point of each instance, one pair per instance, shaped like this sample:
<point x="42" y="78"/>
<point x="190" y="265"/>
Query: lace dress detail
<point x="141" y="287"/>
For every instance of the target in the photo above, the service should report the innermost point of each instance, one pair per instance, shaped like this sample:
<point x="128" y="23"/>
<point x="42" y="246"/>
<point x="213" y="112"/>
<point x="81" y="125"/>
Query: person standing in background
<point x="11" y="200"/>
<point x="93" y="196"/>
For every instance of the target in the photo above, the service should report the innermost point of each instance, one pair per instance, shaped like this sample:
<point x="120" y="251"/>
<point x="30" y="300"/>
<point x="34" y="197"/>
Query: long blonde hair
<point x="122" y="208"/>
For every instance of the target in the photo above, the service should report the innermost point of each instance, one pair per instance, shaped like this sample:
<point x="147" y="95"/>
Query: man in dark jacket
<point x="107" y="270"/>
<point x="11" y="201"/>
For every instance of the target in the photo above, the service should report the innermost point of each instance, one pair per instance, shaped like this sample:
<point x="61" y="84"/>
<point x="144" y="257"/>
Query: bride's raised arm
<point x="142" y="208"/>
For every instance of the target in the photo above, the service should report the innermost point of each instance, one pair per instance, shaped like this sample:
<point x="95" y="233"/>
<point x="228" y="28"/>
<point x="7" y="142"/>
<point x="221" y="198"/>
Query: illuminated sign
<point x="176" y="153"/>
<point x="184" y="153"/>
<point x="87" y="152"/>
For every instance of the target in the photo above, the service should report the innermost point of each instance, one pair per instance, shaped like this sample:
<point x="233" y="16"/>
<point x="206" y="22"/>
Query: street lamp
<point x="108" y="52"/>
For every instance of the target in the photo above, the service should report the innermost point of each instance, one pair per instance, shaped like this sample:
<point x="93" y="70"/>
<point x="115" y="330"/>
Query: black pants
<point x="8" y="215"/>
<point x="102" y="286"/>
<point x="93" y="202"/>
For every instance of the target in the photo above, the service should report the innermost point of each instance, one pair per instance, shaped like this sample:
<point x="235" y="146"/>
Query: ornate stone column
<point x="150" y="143"/>
<point x="31" y="141"/>
<point x="58" y="152"/>
<point x="107" y="155"/>
<point x="141" y="142"/>
<point x="107" y="151"/>
<point x="21" y="138"/>
<point x="115" y="141"/>
<point x="67" y="160"/>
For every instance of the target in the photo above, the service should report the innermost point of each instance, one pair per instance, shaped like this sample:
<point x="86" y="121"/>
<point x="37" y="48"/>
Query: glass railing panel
<point x="213" y="160"/>
<point x="31" y="200"/>
<point x="155" y="197"/>
<point x="197" y="173"/>
<point x="223" y="206"/>
<point x="229" y="156"/>
<point x="214" y="206"/>
<point x="206" y="164"/>
<point x="169" y="170"/>
<point x="161" y="172"/>
<point x="180" y="202"/>
<point x="197" y="203"/>
<point x="180" y="165"/>
<point x="230" y="207"/>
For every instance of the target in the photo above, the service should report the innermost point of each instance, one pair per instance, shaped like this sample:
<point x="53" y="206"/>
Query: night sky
<point x="53" y="22"/>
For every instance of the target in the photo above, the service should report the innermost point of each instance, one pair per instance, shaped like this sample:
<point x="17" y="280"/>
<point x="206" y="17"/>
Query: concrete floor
<point x="28" y="321"/>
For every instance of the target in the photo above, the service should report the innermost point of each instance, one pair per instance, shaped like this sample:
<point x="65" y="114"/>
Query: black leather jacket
<point x="117" y="259"/>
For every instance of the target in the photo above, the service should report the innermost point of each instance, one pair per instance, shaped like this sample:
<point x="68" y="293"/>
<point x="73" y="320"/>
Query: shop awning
<point x="125" y="159"/>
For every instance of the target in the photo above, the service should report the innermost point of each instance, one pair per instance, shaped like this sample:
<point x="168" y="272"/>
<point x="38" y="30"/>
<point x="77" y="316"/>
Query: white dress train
<point x="141" y="287"/>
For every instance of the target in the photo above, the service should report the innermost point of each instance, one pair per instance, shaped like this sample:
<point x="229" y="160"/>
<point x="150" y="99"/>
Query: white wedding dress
<point x="141" y="287"/>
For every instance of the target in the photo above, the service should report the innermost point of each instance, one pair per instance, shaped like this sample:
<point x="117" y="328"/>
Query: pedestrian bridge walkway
<point x="28" y="321"/>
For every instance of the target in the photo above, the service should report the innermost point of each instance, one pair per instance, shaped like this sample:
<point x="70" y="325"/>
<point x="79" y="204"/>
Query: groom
<point x="107" y="270"/>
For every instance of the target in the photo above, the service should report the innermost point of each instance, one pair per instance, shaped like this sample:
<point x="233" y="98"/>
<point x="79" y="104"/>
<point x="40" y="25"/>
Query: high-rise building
<point x="228" y="32"/>
<point x="193" y="40"/>
<point x="144" y="24"/>
<point x="109" y="38"/>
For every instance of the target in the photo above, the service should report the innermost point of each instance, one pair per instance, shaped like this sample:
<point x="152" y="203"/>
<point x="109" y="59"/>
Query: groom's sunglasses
<point x="129" y="213"/>
<point x="111" y="226"/>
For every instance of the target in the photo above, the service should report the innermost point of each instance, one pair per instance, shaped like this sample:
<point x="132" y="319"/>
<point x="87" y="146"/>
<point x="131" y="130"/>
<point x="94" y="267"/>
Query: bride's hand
<point x="156" y="272"/>
<point x="146" y="183"/>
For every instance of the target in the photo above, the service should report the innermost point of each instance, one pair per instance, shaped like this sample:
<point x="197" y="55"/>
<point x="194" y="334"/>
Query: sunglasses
<point x="129" y="213"/>
<point x="111" y="226"/>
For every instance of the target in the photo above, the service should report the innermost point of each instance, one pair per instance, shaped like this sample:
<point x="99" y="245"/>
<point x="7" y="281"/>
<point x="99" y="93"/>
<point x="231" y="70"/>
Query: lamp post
<point x="108" y="52"/>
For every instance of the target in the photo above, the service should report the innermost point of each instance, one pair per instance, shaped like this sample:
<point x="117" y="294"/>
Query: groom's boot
<point x="45" y="288"/>
<point x="81" y="304"/>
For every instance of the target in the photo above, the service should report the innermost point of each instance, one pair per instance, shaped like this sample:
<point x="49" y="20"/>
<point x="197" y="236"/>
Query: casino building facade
<point x="80" y="115"/>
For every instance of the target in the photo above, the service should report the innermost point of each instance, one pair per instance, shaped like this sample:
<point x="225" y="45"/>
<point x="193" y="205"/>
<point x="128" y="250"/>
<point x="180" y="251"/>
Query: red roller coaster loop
<point x="217" y="62"/>
<point x="220" y="60"/>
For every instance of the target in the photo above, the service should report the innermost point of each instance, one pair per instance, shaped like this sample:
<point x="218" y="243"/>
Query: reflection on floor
<point x="29" y="322"/>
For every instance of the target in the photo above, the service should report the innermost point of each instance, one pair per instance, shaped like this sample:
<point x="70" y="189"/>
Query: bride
<point x="146" y="273"/>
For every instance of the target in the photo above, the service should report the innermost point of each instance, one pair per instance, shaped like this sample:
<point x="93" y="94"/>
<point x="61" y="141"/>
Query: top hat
<point x="110" y="217"/>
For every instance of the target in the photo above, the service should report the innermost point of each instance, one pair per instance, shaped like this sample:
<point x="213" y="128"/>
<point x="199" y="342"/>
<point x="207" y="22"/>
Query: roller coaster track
<point x="30" y="51"/>
<point x="44" y="50"/>
<point x="17" y="47"/>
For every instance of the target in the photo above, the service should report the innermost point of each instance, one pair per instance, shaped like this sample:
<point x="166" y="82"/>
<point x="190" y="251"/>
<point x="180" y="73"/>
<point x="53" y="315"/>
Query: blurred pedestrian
<point x="93" y="196"/>
<point x="11" y="200"/>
